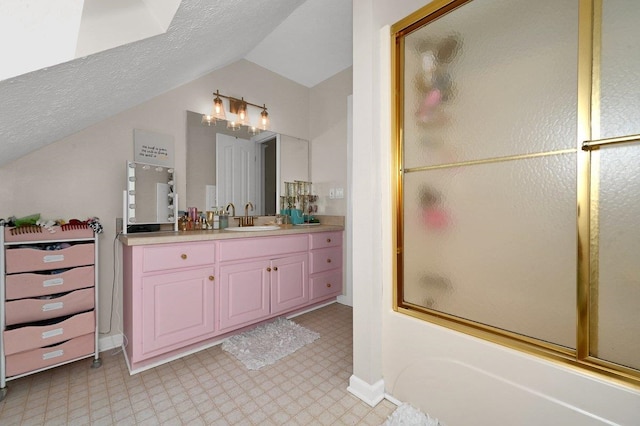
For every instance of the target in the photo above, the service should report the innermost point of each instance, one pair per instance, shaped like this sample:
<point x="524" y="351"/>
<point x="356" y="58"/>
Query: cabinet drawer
<point x="325" y="259"/>
<point x="31" y="259"/>
<point x="326" y="284"/>
<point x="32" y="337"/>
<point x="35" y="359"/>
<point x="325" y="239"/>
<point x="248" y="248"/>
<point x="30" y="310"/>
<point x="171" y="256"/>
<point x="24" y="285"/>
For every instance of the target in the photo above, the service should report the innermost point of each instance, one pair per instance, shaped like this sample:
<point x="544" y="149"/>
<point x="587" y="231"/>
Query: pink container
<point x="29" y="259"/>
<point x="20" y="286"/>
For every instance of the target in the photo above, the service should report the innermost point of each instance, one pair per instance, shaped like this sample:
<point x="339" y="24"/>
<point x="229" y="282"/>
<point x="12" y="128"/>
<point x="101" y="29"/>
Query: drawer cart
<point x="48" y="299"/>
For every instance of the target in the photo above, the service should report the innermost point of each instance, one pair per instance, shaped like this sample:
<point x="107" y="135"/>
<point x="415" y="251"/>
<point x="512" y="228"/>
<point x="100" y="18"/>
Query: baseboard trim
<point x="110" y="342"/>
<point x="371" y="394"/>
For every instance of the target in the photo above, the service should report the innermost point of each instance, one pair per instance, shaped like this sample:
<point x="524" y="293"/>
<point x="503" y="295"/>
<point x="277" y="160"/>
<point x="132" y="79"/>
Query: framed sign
<point x="153" y="148"/>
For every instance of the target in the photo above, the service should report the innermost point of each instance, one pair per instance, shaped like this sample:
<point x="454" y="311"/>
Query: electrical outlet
<point x="332" y="193"/>
<point x="339" y="192"/>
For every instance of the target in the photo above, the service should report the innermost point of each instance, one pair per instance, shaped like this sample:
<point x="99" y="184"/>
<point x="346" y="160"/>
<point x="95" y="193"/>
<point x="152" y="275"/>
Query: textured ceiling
<point x="47" y="105"/>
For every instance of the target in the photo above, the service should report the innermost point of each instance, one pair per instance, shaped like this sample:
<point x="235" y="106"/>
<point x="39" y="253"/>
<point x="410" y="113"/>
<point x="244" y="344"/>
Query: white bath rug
<point x="406" y="415"/>
<point x="267" y="343"/>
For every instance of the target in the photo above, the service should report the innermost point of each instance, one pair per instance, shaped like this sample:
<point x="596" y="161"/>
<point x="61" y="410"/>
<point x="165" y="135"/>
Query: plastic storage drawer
<point x="35" y="359"/>
<point x="32" y="259"/>
<point x="30" y="310"/>
<point x="24" y="285"/>
<point x="32" y="337"/>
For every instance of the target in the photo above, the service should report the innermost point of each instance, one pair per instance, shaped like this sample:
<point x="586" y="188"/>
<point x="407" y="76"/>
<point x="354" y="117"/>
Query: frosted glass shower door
<point x="489" y="167"/>
<point x="615" y="289"/>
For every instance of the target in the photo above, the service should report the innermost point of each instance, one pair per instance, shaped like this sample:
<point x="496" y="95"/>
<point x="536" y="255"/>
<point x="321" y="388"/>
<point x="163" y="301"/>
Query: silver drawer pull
<point x="52" y="306"/>
<point x="53" y="258"/>
<point x="53" y="354"/>
<point x="52" y="333"/>
<point x="52" y="282"/>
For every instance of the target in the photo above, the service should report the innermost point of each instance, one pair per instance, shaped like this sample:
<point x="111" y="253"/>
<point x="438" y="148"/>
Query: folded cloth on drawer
<point x="30" y="310"/>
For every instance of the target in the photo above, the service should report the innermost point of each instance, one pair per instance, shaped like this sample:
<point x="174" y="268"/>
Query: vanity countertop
<point x="162" y="237"/>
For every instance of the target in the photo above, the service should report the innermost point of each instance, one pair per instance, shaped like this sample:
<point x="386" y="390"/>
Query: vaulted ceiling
<point x="306" y="41"/>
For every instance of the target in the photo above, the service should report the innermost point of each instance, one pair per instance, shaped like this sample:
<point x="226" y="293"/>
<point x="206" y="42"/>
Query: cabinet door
<point x="244" y="293"/>
<point x="289" y="285"/>
<point x="177" y="309"/>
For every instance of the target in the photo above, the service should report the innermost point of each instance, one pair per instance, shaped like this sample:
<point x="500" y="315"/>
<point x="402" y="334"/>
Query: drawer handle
<point x="184" y="256"/>
<point x="52" y="333"/>
<point x="52" y="306"/>
<point x="52" y="282"/>
<point x="328" y="260"/>
<point x="268" y="269"/>
<point x="328" y="240"/>
<point x="328" y="285"/>
<point x="275" y="268"/>
<point x="211" y="278"/>
<point x="53" y="354"/>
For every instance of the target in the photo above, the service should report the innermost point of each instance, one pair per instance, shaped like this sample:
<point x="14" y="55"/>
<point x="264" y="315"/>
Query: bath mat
<point x="267" y="343"/>
<point x="407" y="415"/>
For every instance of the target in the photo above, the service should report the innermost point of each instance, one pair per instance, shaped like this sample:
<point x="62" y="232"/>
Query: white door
<point x="236" y="172"/>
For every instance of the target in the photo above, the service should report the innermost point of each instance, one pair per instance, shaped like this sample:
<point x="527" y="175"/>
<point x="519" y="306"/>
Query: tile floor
<point x="207" y="388"/>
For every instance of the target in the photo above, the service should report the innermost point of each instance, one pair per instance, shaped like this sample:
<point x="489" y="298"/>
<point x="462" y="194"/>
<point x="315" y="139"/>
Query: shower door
<point x="518" y="175"/>
<point x="613" y="288"/>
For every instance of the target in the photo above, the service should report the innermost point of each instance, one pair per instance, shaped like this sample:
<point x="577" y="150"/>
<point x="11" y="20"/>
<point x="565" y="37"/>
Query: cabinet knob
<point x="328" y="240"/>
<point x="328" y="260"/>
<point x="211" y="277"/>
<point x="269" y="269"/>
<point x="328" y="285"/>
<point x="184" y="256"/>
<point x="275" y="268"/>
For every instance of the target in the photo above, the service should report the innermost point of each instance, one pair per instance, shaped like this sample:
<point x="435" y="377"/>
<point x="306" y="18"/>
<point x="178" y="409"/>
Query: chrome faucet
<point x="233" y="209"/>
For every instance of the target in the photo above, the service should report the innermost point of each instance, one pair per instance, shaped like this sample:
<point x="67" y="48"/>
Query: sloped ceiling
<point x="47" y="105"/>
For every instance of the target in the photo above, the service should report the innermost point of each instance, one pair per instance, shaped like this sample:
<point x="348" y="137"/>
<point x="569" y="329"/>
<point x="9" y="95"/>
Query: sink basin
<point x="253" y="228"/>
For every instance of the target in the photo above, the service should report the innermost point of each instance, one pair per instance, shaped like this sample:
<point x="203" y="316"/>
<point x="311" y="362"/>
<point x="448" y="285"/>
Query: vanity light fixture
<point x="239" y="107"/>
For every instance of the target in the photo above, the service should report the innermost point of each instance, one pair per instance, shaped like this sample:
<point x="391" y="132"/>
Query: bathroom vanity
<point x="185" y="291"/>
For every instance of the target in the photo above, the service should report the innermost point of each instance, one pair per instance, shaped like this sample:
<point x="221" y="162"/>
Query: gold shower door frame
<point x="588" y="178"/>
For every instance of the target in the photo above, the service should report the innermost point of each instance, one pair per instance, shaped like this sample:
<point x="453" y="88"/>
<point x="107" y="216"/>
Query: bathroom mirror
<point x="149" y="197"/>
<point x="277" y="158"/>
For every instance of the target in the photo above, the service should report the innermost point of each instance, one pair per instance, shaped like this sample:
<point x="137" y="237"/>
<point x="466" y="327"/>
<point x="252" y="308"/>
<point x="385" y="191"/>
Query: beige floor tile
<point x="208" y="388"/>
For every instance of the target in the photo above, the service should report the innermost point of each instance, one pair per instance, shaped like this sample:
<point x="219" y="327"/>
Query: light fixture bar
<point x="240" y="108"/>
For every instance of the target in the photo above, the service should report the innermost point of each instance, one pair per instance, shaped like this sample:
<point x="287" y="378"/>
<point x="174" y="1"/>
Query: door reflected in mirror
<point x="225" y="166"/>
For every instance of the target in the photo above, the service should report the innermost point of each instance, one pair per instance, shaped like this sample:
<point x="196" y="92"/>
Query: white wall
<point x="457" y="378"/>
<point x="328" y="136"/>
<point x="84" y="174"/>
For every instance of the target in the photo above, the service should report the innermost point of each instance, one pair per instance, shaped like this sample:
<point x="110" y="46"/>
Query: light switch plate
<point x="339" y="192"/>
<point x="332" y="193"/>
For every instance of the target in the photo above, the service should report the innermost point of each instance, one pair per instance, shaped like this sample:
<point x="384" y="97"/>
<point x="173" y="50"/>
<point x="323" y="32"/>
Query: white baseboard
<point x="109" y="342"/>
<point x="371" y="394"/>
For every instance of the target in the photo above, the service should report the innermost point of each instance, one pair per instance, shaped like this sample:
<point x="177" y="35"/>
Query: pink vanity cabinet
<point x="325" y="253"/>
<point x="185" y="292"/>
<point x="261" y="277"/>
<point x="169" y="297"/>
